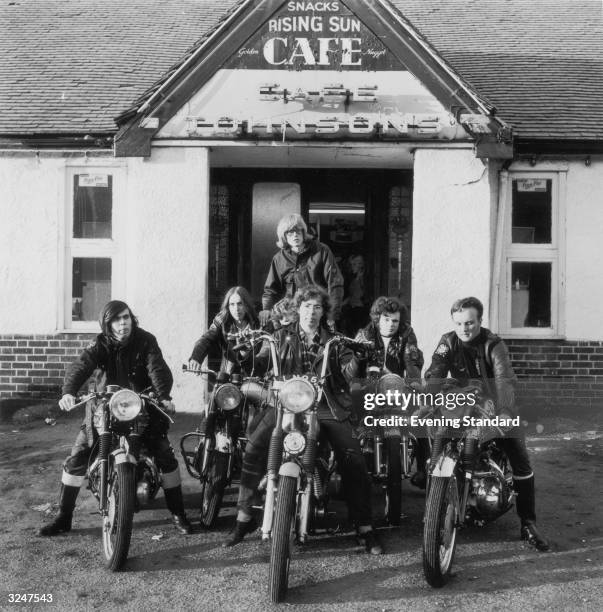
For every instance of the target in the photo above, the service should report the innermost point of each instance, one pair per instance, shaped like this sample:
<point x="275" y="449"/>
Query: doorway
<point x="364" y="216"/>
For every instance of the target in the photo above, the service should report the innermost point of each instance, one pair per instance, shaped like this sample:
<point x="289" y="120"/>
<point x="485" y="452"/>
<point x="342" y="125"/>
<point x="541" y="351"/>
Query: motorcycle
<point x="119" y="480"/>
<point x="469" y="480"/>
<point x="298" y="475"/>
<point x="213" y="453"/>
<point x="389" y="451"/>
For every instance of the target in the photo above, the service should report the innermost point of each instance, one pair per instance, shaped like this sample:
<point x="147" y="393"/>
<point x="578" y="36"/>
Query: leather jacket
<point x="136" y="365"/>
<point x="403" y="355"/>
<point x="486" y="358"/>
<point x="289" y="271"/>
<point x="217" y="337"/>
<point x="342" y="368"/>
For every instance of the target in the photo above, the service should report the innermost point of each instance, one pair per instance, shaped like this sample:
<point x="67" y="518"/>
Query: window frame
<point x="553" y="253"/>
<point x="109" y="248"/>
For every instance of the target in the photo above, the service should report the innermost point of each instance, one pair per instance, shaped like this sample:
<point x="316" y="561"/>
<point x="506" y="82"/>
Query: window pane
<point x="92" y="204"/>
<point x="91" y="287"/>
<point x="531" y="294"/>
<point x="532" y="211"/>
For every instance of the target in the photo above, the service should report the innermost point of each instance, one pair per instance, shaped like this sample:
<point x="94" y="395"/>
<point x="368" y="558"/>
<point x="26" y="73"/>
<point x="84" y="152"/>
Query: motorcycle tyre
<point x="393" y="452"/>
<point x="441" y="506"/>
<point x="118" y="531"/>
<point x="280" y="555"/>
<point x="213" y="492"/>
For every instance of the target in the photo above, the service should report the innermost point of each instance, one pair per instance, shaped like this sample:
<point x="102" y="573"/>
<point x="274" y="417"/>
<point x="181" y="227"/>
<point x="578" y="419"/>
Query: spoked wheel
<point x="393" y="507"/>
<point x="213" y="487"/>
<point x="117" y="525"/>
<point x="280" y="555"/>
<point x="440" y="530"/>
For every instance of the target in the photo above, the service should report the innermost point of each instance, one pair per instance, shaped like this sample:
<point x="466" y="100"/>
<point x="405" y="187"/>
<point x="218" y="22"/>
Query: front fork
<point x="106" y="459"/>
<point x="275" y="454"/>
<point x="445" y="466"/>
<point x="309" y="462"/>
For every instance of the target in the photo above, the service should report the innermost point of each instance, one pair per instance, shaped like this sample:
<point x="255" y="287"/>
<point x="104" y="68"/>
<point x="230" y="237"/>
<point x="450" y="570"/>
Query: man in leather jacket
<point x="395" y="350"/>
<point x="301" y="347"/>
<point x="301" y="262"/>
<point x="474" y="352"/>
<point x="236" y="315"/>
<point x="128" y="356"/>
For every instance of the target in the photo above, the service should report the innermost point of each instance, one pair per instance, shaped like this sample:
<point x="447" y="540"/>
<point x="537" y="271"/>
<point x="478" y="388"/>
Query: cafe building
<point x="440" y="149"/>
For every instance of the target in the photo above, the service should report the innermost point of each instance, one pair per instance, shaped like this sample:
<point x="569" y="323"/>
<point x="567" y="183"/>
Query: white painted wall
<point x="451" y="243"/>
<point x="32" y="189"/>
<point x="168" y="211"/>
<point x="584" y="251"/>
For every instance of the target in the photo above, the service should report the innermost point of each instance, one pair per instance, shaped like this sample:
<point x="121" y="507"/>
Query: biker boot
<point x="175" y="504"/>
<point x="62" y="522"/>
<point x="368" y="538"/>
<point x="526" y="503"/>
<point x="242" y="528"/>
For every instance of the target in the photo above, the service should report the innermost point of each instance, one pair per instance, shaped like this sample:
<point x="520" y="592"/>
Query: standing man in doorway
<point x="301" y="261"/>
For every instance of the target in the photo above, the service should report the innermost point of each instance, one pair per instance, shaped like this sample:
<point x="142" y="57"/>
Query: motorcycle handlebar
<point x="188" y="370"/>
<point x="82" y="400"/>
<point x="355" y="345"/>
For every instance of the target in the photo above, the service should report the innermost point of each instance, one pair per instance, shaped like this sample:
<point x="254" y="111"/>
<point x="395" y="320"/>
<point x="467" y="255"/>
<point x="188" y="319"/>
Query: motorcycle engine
<point x="490" y="495"/>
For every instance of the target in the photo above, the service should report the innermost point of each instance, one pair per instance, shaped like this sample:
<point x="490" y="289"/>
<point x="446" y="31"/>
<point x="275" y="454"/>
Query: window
<point x="531" y="284"/>
<point x="90" y="246"/>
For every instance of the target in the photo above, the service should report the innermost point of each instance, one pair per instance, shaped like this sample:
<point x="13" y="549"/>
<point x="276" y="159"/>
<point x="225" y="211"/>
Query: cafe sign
<point x="314" y="35"/>
<point x="313" y="71"/>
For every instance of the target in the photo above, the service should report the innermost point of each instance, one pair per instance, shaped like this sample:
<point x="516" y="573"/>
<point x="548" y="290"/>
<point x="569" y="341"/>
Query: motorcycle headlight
<point x="390" y="382"/>
<point x="297" y="395"/>
<point x="125" y="405"/>
<point x="294" y="443"/>
<point x="228" y="397"/>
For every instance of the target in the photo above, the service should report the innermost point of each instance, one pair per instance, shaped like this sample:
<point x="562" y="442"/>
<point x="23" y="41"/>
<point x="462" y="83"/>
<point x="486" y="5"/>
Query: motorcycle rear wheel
<point x="117" y="525"/>
<point x="393" y="453"/>
<point x="280" y="555"/>
<point x="440" y="530"/>
<point x="214" y="487"/>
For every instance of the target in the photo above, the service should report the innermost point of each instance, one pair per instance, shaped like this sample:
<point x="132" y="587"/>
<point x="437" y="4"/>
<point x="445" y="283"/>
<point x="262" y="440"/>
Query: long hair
<point x="250" y="312"/>
<point x="110" y="311"/>
<point x="388" y="305"/>
<point x="288" y="222"/>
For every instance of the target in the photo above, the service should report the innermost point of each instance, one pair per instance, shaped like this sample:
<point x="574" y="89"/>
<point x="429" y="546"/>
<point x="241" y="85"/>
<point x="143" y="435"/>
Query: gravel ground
<point x="494" y="570"/>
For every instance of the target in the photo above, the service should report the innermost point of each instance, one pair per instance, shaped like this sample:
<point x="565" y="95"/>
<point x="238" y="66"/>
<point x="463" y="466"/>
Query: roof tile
<point x="74" y="66"/>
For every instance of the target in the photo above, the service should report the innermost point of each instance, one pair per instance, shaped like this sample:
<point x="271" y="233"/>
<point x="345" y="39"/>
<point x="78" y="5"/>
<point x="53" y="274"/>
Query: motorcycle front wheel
<point x="117" y="525"/>
<point x="440" y="530"/>
<point x="280" y="554"/>
<point x="214" y="486"/>
<point x="393" y="453"/>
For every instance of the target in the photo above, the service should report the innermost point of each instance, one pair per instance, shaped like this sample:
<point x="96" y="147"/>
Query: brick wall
<point x="557" y="375"/>
<point x="553" y="375"/>
<point x="33" y="366"/>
